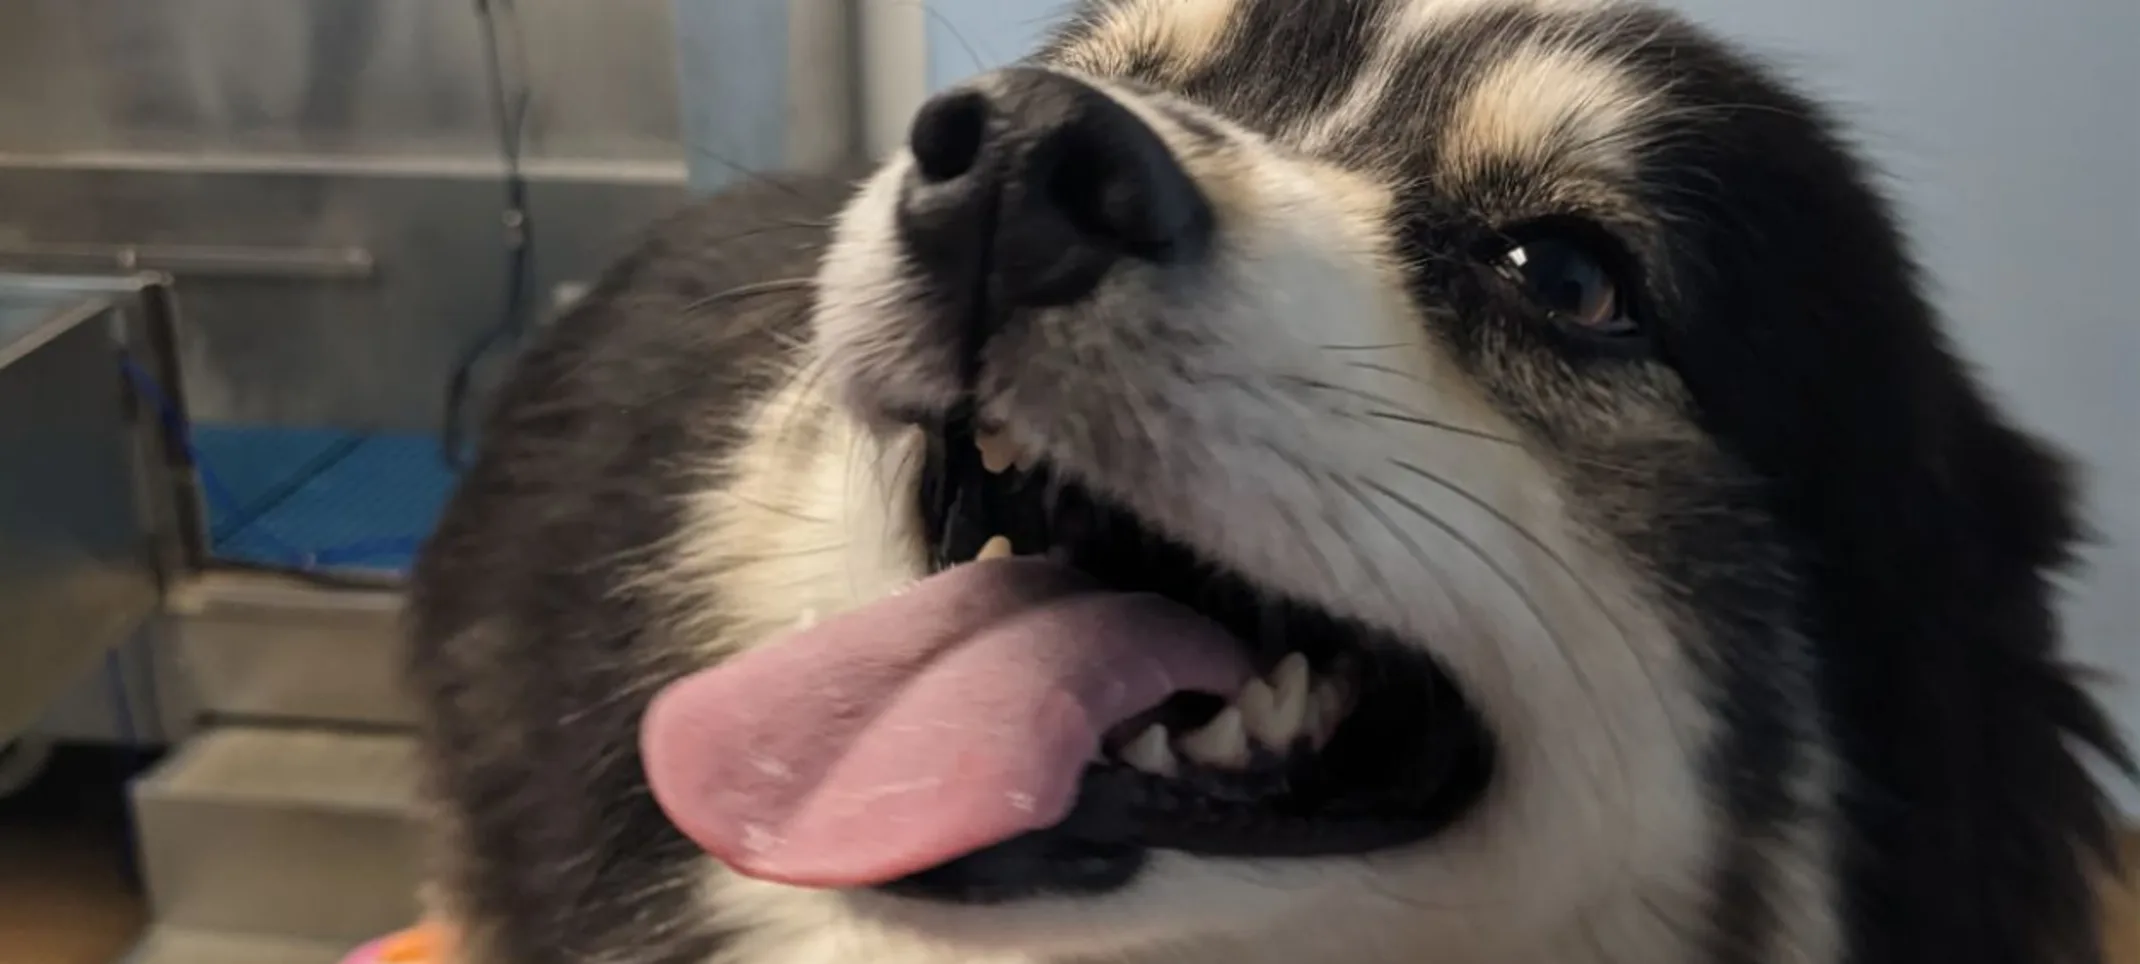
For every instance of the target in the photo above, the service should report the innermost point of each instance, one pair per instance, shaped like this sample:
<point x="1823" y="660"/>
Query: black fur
<point x="1930" y="531"/>
<point x="532" y="656"/>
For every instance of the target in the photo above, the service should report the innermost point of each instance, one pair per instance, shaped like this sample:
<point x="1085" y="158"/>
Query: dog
<point x="1470" y="481"/>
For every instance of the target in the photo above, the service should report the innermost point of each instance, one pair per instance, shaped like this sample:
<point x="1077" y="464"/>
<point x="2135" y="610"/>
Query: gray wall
<point x="2012" y="133"/>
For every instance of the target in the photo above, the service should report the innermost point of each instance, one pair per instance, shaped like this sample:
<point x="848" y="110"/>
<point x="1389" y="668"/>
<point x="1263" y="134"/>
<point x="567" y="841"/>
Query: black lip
<point x="1411" y="760"/>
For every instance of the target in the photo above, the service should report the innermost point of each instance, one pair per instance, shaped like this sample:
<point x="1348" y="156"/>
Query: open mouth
<point x="1010" y="727"/>
<point x="1345" y="742"/>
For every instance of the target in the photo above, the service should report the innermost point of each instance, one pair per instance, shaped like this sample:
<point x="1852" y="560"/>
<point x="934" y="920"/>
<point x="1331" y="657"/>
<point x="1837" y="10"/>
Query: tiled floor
<point x="66" y="893"/>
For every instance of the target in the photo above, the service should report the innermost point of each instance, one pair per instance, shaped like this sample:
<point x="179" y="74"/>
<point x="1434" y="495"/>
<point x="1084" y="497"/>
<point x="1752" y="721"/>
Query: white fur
<point x="793" y="532"/>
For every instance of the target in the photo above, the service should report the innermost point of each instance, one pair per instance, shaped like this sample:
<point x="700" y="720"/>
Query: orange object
<point x="423" y="944"/>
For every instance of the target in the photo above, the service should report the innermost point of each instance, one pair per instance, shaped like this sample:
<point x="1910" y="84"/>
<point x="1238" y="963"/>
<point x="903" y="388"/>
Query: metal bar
<point x="184" y="547"/>
<point x="220" y="261"/>
<point x="326" y="165"/>
<point x="18" y="347"/>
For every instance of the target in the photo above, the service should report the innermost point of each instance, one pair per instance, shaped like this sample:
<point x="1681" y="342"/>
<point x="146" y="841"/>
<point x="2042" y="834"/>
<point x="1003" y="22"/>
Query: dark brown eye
<point x="1571" y="282"/>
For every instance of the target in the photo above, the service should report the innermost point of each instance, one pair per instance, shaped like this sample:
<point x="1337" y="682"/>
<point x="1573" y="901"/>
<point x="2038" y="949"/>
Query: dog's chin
<point x="1352" y="743"/>
<point x="1175" y="899"/>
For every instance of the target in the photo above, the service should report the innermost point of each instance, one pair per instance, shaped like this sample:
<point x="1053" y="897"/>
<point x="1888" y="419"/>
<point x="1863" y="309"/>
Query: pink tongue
<point x="896" y="737"/>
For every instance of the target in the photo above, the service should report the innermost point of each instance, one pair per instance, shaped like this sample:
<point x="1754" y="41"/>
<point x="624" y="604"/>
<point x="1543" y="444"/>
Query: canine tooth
<point x="1259" y="712"/>
<point x="1149" y="752"/>
<point x="1223" y="742"/>
<point x="998" y="453"/>
<point x="1289" y="684"/>
<point x="1327" y="709"/>
<point x="1288" y="719"/>
<point x="995" y="548"/>
<point x="1274" y="717"/>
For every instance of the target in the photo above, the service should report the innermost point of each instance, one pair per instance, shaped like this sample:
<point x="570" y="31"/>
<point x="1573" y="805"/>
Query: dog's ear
<point x="2026" y="782"/>
<point x="1981" y="828"/>
<point x="1933" y="533"/>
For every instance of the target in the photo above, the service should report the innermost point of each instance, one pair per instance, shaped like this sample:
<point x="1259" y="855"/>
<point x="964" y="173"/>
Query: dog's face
<point x="1462" y="346"/>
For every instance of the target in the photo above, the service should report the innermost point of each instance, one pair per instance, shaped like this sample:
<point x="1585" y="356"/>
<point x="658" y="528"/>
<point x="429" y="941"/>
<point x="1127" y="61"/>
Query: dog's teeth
<point x="1149" y="752"/>
<point x="1274" y="717"/>
<point x="1327" y="709"/>
<point x="995" y="548"/>
<point x="1259" y="712"/>
<point x="1223" y="742"/>
<point x="998" y="453"/>
<point x="1277" y="712"/>
<point x="1289" y="688"/>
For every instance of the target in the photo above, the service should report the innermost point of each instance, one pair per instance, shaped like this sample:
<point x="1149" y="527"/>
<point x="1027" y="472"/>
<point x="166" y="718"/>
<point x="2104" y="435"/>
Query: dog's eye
<point x="1571" y="279"/>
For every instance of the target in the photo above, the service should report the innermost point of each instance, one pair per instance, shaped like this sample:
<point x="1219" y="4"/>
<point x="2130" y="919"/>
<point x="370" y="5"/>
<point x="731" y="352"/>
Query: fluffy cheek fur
<point x="1289" y="380"/>
<point x="814" y="516"/>
<point x="909" y="364"/>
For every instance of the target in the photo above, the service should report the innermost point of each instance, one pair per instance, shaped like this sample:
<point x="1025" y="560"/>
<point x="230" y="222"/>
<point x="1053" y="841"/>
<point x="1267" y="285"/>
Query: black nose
<point x="1029" y="185"/>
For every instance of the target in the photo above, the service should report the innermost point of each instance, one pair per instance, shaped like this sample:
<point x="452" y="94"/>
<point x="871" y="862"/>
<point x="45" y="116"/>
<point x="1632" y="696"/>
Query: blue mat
<point x="247" y="468"/>
<point x="320" y="499"/>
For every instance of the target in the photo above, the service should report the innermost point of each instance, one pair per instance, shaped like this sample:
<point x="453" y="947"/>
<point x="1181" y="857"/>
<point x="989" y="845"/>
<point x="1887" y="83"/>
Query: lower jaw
<point x="1039" y="864"/>
<point x="1411" y="758"/>
<point x="1124" y="817"/>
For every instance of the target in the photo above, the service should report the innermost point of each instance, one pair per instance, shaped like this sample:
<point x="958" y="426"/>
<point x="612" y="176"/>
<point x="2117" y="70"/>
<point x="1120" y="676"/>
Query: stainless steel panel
<point x="138" y="698"/>
<point x="304" y="834"/>
<point x="77" y="573"/>
<point x="394" y="78"/>
<point x="147" y="325"/>
<point x="270" y="648"/>
<point x="323" y="176"/>
<point x="175" y="945"/>
<point x="361" y="350"/>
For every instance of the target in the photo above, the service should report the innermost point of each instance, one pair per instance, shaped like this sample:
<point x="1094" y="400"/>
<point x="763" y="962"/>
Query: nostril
<point x="1116" y="183"/>
<point x="1075" y="183"/>
<point x="948" y="134"/>
<point x="1029" y="187"/>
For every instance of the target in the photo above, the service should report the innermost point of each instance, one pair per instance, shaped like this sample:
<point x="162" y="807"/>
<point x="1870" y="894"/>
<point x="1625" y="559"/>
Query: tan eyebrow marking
<point x="1176" y="36"/>
<point x="1547" y="104"/>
